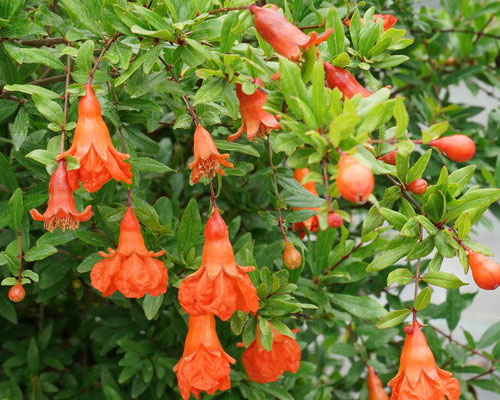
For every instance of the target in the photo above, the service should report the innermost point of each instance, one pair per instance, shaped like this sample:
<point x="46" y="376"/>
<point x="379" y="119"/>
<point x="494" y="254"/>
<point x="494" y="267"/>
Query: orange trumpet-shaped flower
<point x="286" y="38"/>
<point x="264" y="366"/>
<point x="204" y="365"/>
<point x="345" y="81"/>
<point x="419" y="377"/>
<point x="131" y="269"/>
<point x="375" y="387"/>
<point x="92" y="146"/>
<point x="61" y="211"/>
<point x="459" y="148"/>
<point x="312" y="223"/>
<point x="254" y="120"/>
<point x="219" y="286"/>
<point x="486" y="272"/>
<point x="388" y="20"/>
<point x="207" y="159"/>
<point x="355" y="181"/>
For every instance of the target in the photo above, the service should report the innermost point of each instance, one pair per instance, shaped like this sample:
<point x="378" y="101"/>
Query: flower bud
<point x="355" y="181"/>
<point x="17" y="293"/>
<point x="459" y="148"/>
<point x="334" y="220"/>
<point x="291" y="256"/>
<point x="486" y="272"/>
<point x="375" y="386"/>
<point x="418" y="186"/>
<point x="389" y="158"/>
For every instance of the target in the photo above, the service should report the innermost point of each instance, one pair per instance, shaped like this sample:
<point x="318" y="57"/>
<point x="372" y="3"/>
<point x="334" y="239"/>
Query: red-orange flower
<point x="61" y="211"/>
<point x="375" y="387"/>
<point x="419" y="377"/>
<point x="311" y="223"/>
<point x="219" y="286"/>
<point x="345" y="81"/>
<point x="254" y="120"/>
<point x="204" y="365"/>
<point x="207" y="159"/>
<point x="388" y="20"/>
<point x="286" y="38"/>
<point x="92" y="146"/>
<point x="131" y="269"/>
<point x="264" y="366"/>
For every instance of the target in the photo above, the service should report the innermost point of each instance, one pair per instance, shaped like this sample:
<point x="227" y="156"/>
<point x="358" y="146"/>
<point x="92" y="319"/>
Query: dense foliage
<point x="161" y="64"/>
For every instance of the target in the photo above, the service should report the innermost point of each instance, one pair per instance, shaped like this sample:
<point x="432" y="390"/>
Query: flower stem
<point x="104" y="50"/>
<point x="325" y="182"/>
<point x="213" y="197"/>
<point x="66" y="98"/>
<point x="184" y="96"/>
<point x="276" y="191"/>
<point x="20" y="255"/>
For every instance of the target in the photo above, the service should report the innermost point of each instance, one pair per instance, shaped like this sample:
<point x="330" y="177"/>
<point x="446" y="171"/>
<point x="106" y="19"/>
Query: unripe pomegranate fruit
<point x="418" y="186"/>
<point x="486" y="272"/>
<point x="355" y="181"/>
<point x="459" y="148"/>
<point x="389" y="158"/>
<point x="291" y="256"/>
<point x="375" y="387"/>
<point x="334" y="220"/>
<point x="17" y="293"/>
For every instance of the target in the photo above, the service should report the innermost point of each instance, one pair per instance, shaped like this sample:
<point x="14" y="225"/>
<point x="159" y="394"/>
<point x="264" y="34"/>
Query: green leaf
<point x="16" y="210"/>
<point x="292" y="85"/>
<point x="393" y="318"/>
<point x="92" y="238"/>
<point x="48" y="108"/>
<point x="423" y="299"/>
<point x="32" y="89"/>
<point x="336" y="39"/>
<point x="443" y="279"/>
<point x="490" y="336"/>
<point x="249" y="332"/>
<point x="389" y="257"/>
<point x="19" y="130"/>
<point x="42" y="156"/>
<point x="435" y="206"/>
<point x="401" y="276"/>
<point x="151" y="305"/>
<point x="324" y="243"/>
<point x="236" y="147"/>
<point x="318" y="92"/>
<point x="298" y="195"/>
<point x="435" y="131"/>
<point x="88" y="263"/>
<point x="31" y="55"/>
<point x="85" y="56"/>
<point x="227" y="35"/>
<point x="40" y="252"/>
<point x="401" y="116"/>
<point x="7" y="309"/>
<point x="189" y="228"/>
<point x="480" y="198"/>
<point x="417" y="170"/>
<point x="421" y="249"/>
<point x="396" y="219"/>
<point x="363" y="307"/>
<point x="146" y="164"/>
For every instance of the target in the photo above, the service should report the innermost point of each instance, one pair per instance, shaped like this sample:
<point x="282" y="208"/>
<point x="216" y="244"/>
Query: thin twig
<point x="98" y="61"/>
<point x="452" y="340"/>
<point x="276" y="191"/>
<point x="227" y="9"/>
<point x="454" y="30"/>
<point x="344" y="257"/>
<point x="417" y="278"/>
<point x="41" y="42"/>
<point x="66" y="97"/>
